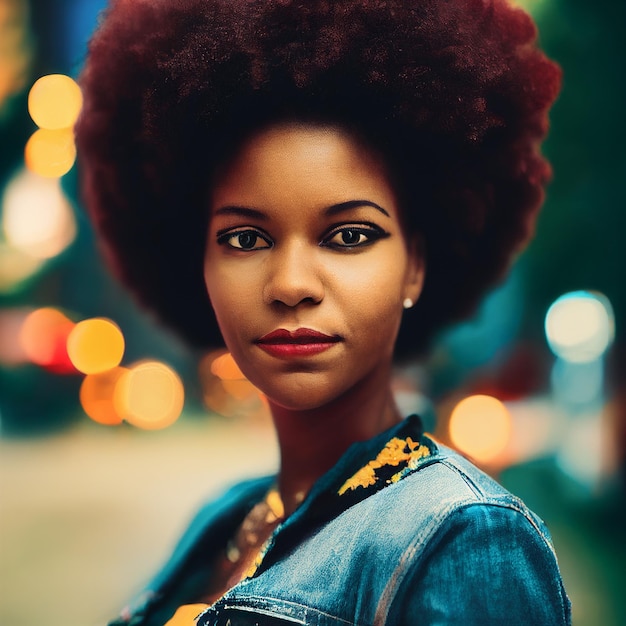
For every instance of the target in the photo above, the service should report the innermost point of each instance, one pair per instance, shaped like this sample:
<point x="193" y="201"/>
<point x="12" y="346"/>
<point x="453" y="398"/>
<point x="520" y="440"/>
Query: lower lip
<point x="287" y="350"/>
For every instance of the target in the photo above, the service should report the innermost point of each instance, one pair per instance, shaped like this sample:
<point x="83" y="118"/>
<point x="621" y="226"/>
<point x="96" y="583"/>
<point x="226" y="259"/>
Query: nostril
<point x="293" y="279"/>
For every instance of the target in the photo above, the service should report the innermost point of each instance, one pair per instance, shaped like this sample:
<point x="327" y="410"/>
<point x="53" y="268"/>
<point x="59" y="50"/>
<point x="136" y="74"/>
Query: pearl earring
<point x="408" y="303"/>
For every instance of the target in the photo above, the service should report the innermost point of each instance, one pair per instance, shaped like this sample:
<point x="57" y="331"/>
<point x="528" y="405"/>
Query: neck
<point x="312" y="441"/>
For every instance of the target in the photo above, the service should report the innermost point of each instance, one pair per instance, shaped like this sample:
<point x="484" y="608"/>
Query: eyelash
<point x="224" y="239"/>
<point x="372" y="232"/>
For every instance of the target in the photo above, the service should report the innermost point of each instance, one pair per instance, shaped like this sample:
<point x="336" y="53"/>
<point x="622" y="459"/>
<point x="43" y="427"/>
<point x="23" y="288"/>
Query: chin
<point x="301" y="395"/>
<point x="299" y="402"/>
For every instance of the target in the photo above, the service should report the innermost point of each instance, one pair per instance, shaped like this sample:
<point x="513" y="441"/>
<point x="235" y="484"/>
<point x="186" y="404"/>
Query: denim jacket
<point x="401" y="531"/>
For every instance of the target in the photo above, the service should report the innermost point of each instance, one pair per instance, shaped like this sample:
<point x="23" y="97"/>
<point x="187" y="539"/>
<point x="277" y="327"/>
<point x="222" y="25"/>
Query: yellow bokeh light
<point x="150" y="395"/>
<point x="50" y="153"/>
<point x="96" y="396"/>
<point x="242" y="390"/>
<point x="226" y="391"/>
<point x="480" y="426"/>
<point x="225" y="368"/>
<point x="218" y="400"/>
<point x="43" y="338"/>
<point x="54" y="102"/>
<point x="16" y="50"/>
<point x="95" y="346"/>
<point x="37" y="218"/>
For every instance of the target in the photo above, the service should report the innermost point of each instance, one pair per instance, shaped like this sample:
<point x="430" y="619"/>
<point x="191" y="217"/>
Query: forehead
<point x="305" y="166"/>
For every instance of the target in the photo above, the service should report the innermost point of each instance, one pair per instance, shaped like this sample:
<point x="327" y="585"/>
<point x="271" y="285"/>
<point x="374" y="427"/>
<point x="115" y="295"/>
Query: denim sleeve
<point x="488" y="564"/>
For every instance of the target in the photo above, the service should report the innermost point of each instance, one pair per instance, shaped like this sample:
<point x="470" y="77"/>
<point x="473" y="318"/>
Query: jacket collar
<point x="364" y="469"/>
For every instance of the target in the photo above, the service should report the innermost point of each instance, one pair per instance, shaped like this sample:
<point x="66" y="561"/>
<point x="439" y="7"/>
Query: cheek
<point x="374" y="298"/>
<point x="378" y="283"/>
<point x="380" y="316"/>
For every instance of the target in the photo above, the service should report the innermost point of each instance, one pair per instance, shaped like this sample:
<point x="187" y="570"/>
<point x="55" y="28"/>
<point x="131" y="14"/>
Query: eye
<point x="353" y="236"/>
<point x="247" y="239"/>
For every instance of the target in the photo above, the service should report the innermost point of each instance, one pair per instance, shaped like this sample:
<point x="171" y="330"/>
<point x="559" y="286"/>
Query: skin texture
<point x="278" y="197"/>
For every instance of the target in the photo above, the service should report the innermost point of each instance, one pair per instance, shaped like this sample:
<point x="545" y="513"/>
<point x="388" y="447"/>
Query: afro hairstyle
<point x="453" y="95"/>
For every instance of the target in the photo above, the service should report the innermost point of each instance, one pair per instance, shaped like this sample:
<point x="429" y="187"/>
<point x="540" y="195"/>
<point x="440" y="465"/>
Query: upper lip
<point x="300" y="335"/>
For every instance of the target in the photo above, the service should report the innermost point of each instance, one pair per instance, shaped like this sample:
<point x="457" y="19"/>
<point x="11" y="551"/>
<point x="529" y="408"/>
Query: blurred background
<point x="112" y="432"/>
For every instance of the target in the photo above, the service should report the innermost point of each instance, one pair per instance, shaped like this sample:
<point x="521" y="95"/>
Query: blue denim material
<point x="439" y="543"/>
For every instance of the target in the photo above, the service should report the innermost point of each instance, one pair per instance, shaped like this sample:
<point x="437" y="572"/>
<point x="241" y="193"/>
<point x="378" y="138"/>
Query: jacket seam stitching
<point x="408" y="559"/>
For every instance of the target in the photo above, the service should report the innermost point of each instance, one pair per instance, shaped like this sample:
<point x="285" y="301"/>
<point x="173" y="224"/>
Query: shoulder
<point x="460" y="478"/>
<point x="439" y="489"/>
<point x="487" y="564"/>
<point x="473" y="553"/>
<point x="447" y="501"/>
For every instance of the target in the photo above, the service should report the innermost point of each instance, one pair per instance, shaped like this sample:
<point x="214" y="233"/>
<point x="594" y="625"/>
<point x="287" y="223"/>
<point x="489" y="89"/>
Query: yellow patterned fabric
<point x="397" y="452"/>
<point x="187" y="615"/>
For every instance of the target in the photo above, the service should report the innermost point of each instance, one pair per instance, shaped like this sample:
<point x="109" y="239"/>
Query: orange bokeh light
<point x="54" y="101"/>
<point x="242" y="390"/>
<point x="97" y="393"/>
<point x="43" y="337"/>
<point x="95" y="345"/>
<point x="481" y="427"/>
<point x="226" y="391"/>
<point x="225" y="368"/>
<point x="150" y="395"/>
<point x="50" y="153"/>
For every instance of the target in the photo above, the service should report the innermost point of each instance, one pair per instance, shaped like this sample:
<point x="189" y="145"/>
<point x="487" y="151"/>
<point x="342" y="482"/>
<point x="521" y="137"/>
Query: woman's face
<point x="307" y="266"/>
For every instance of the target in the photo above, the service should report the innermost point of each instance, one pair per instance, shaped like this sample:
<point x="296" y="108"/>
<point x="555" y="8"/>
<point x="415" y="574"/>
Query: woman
<point x="324" y="185"/>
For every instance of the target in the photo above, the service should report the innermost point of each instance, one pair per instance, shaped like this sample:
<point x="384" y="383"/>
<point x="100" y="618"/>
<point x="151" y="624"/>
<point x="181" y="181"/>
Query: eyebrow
<point x="353" y="204"/>
<point x="330" y="211"/>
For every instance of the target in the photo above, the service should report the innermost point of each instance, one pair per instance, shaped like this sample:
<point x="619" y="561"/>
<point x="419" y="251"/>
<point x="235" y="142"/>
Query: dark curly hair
<point x="453" y="94"/>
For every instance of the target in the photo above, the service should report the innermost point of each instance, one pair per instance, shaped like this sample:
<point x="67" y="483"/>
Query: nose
<point x="294" y="275"/>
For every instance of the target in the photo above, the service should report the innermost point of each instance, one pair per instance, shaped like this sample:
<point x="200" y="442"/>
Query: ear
<point x="416" y="269"/>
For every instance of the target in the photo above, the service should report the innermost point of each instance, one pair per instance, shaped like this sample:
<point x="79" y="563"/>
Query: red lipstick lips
<point x="297" y="343"/>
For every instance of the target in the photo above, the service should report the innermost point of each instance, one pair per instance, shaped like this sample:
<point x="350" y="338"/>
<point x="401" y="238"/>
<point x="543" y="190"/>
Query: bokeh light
<point x="95" y="345"/>
<point x="54" y="102"/>
<point x="43" y="337"/>
<point x="37" y="218"/>
<point x="532" y="6"/>
<point x="11" y="350"/>
<point x="580" y="326"/>
<point x="50" y="153"/>
<point x="150" y="395"/>
<point x="96" y="396"/>
<point x="226" y="391"/>
<point x="15" y="47"/>
<point x="480" y="426"/>
<point x="225" y="368"/>
<point x="242" y="390"/>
